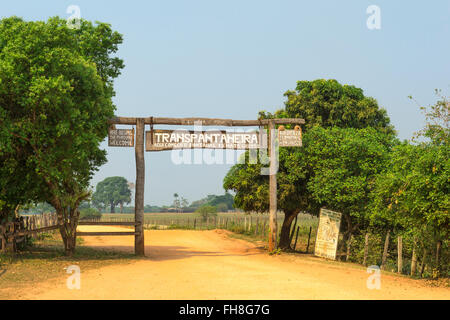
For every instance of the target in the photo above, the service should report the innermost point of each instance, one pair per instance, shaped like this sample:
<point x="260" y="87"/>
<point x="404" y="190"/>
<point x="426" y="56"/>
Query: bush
<point x="207" y="211"/>
<point x="89" y="214"/>
<point x="222" y="207"/>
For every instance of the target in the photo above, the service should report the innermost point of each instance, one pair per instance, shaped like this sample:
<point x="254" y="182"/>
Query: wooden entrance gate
<point x="125" y="138"/>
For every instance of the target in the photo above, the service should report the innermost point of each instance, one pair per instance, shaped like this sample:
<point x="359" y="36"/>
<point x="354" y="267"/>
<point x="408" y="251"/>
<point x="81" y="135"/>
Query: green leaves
<point x="346" y="141"/>
<point x="327" y="103"/>
<point x="414" y="190"/>
<point x="55" y="100"/>
<point x="342" y="164"/>
<point x="112" y="191"/>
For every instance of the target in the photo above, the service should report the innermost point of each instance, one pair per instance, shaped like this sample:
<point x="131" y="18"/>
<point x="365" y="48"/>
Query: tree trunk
<point x="112" y="207"/>
<point x="121" y="207"/>
<point x="286" y="230"/>
<point x="68" y="222"/>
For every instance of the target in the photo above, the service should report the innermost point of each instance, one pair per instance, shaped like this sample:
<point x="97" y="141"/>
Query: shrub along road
<point x="184" y="264"/>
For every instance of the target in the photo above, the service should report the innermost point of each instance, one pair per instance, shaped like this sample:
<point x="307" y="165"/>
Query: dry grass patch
<point x="45" y="260"/>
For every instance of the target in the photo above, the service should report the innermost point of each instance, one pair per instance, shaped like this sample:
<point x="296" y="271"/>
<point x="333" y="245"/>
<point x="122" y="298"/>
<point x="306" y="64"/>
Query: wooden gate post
<point x="272" y="188"/>
<point x="139" y="246"/>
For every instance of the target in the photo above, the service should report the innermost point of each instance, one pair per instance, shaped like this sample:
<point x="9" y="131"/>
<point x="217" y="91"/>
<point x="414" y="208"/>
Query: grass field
<point x="251" y="226"/>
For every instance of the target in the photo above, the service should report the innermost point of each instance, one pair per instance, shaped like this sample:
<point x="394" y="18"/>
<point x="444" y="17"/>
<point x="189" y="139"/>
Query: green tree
<point x="327" y="103"/>
<point x="176" y="202"/>
<point x="222" y="207"/>
<point x="207" y="211"/>
<point x="322" y="103"/>
<point x="111" y="192"/>
<point x="184" y="203"/>
<point x="412" y="194"/>
<point x="227" y="199"/>
<point x="90" y="214"/>
<point x="342" y="165"/>
<point x="56" y="89"/>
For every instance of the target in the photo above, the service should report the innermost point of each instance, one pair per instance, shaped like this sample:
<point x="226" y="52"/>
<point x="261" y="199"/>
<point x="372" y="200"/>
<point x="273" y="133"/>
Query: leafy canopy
<point x="55" y="100"/>
<point x="56" y="89"/>
<point x="322" y="103"/>
<point x="112" y="191"/>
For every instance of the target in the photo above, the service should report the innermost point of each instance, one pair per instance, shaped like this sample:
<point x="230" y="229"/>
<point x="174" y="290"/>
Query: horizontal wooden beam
<point x="106" y="223"/>
<point x="84" y="234"/>
<point x="27" y="232"/>
<point x="207" y="121"/>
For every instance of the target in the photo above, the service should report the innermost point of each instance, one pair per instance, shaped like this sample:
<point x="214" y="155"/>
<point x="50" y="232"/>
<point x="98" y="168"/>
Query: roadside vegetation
<point x="44" y="259"/>
<point x="388" y="191"/>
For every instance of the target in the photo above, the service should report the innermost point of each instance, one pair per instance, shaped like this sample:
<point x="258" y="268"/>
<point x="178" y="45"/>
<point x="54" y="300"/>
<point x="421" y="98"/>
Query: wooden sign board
<point x="121" y="138"/>
<point x="327" y="234"/>
<point x="290" y="138"/>
<point x="159" y="140"/>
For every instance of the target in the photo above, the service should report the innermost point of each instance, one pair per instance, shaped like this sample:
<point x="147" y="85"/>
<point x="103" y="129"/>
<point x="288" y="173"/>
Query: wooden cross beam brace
<point x="206" y="121"/>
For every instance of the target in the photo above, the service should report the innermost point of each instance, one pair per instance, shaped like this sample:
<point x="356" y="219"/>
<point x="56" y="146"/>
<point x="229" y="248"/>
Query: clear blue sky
<point x="231" y="59"/>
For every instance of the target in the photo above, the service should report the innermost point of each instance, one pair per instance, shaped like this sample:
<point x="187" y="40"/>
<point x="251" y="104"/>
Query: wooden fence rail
<point x="23" y="227"/>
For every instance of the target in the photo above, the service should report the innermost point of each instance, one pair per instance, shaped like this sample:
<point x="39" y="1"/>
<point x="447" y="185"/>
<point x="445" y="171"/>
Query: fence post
<point x="14" y="242"/>
<point x="2" y="238"/>
<point x="399" y="254"/>
<point x="309" y="237"/>
<point x="366" y="248"/>
<point x="296" y="237"/>
<point x="385" y="251"/>
<point x="349" y="243"/>
<point x="422" y="264"/>
<point x="264" y="228"/>
<point x="413" y="260"/>
<point x="438" y="254"/>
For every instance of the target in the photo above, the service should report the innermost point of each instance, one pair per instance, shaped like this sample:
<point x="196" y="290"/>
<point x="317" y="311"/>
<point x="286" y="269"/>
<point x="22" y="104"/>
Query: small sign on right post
<point x="328" y="234"/>
<point x="290" y="138"/>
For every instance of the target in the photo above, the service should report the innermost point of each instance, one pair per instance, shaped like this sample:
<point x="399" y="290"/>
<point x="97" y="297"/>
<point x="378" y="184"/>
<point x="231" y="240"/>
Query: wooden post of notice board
<point x="272" y="188"/>
<point x="139" y="248"/>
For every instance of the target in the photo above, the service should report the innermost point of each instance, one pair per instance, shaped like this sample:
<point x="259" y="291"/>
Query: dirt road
<point x="209" y="265"/>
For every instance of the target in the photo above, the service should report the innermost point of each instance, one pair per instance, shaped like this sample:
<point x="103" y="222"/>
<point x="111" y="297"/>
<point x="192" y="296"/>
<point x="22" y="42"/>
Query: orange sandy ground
<point x="182" y="264"/>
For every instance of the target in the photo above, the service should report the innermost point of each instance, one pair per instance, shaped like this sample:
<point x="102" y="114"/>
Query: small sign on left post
<point x="121" y="138"/>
